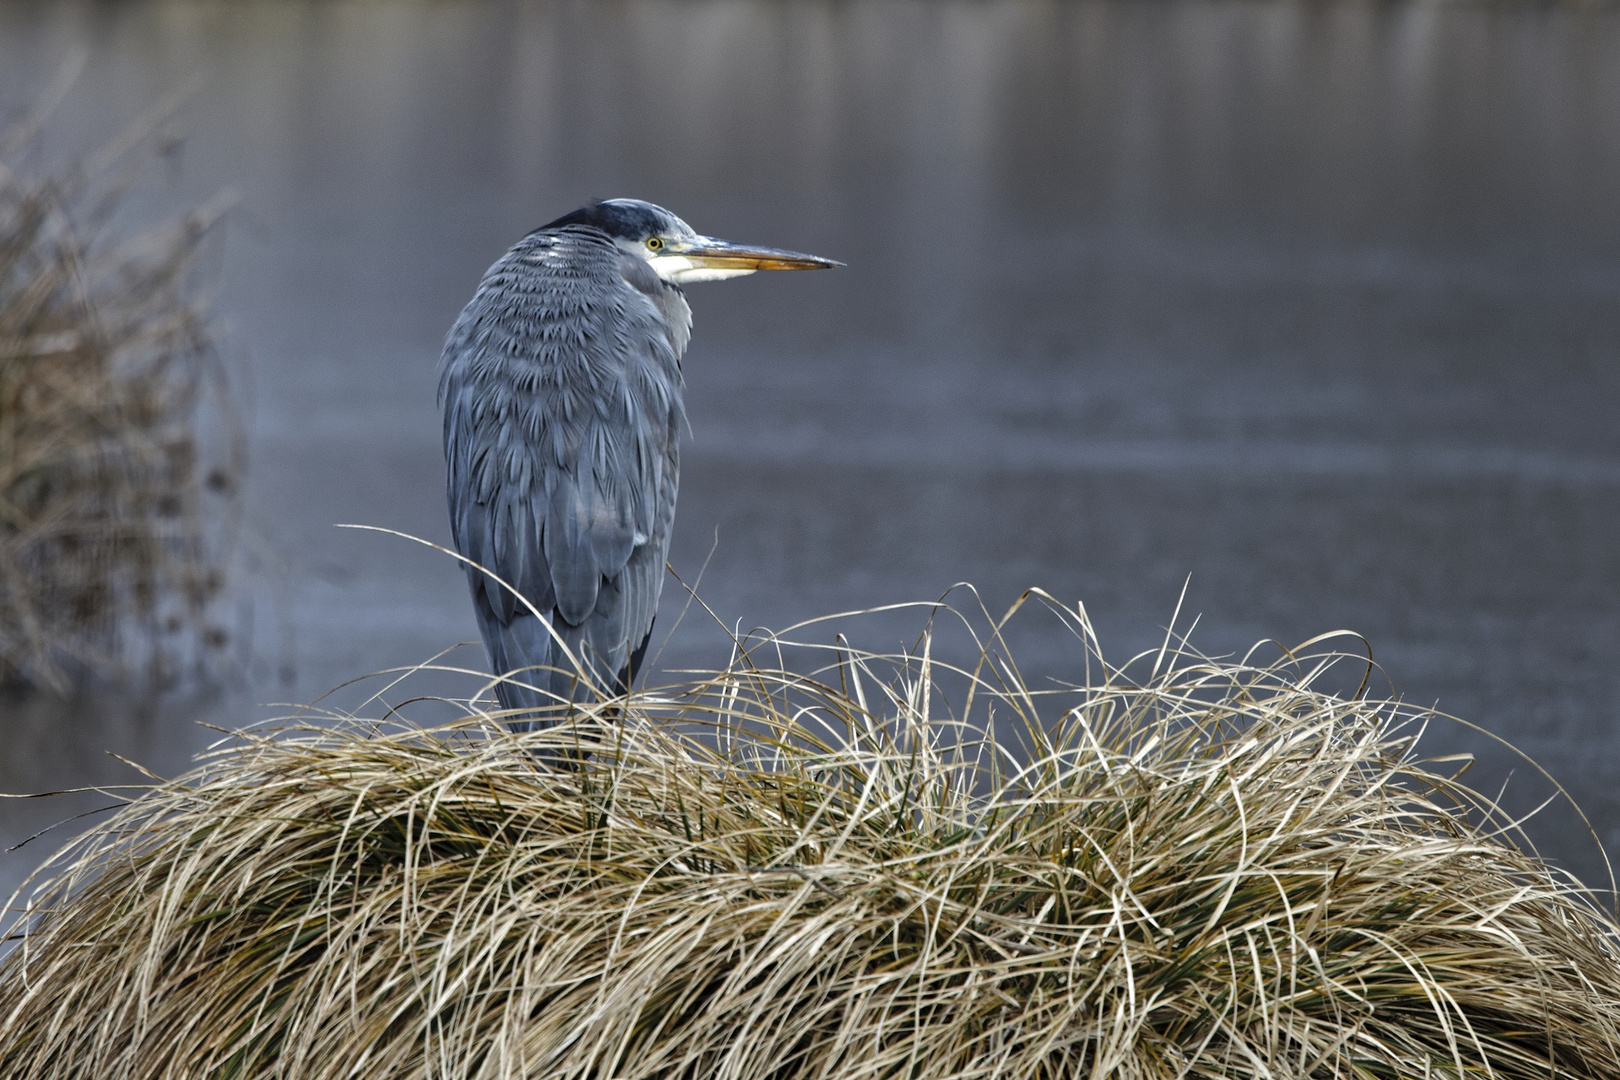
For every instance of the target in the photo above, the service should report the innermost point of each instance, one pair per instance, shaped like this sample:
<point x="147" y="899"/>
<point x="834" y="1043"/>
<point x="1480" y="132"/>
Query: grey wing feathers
<point x="561" y="390"/>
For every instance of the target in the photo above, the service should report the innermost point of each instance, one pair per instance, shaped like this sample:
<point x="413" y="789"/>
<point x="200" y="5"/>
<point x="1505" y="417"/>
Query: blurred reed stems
<point x="120" y="450"/>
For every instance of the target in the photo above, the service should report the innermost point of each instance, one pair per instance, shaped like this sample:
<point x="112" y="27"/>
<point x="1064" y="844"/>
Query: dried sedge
<point x="1224" y="871"/>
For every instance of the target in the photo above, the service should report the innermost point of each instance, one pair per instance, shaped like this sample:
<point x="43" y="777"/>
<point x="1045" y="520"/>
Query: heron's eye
<point x="654" y="243"/>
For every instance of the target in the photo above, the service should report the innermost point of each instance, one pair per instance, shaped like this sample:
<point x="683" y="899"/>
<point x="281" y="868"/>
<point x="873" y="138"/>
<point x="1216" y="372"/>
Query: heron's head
<point x="677" y="253"/>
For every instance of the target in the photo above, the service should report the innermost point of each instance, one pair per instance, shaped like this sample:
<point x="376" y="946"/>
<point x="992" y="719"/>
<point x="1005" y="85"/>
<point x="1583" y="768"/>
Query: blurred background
<point x="1312" y="306"/>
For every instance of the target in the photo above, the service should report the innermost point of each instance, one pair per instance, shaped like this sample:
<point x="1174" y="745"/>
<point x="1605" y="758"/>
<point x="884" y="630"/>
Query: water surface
<point x="1315" y="308"/>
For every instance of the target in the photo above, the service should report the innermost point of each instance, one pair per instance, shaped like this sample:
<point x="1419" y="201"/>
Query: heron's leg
<point x="626" y="677"/>
<point x="633" y="668"/>
<point x="622" y="683"/>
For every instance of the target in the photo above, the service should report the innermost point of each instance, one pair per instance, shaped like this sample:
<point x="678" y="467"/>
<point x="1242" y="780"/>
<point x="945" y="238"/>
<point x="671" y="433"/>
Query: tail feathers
<point x="538" y="676"/>
<point x="521" y="652"/>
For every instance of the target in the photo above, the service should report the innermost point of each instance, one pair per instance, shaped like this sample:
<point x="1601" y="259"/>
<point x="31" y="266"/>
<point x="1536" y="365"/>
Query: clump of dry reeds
<point x="112" y="501"/>
<point x="1221" y="871"/>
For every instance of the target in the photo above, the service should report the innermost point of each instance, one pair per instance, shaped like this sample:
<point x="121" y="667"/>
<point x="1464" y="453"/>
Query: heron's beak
<point x="707" y="253"/>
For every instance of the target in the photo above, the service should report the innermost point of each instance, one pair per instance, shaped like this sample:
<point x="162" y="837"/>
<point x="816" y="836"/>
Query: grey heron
<point x="562" y="395"/>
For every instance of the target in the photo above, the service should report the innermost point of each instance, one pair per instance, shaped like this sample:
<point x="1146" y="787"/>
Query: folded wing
<point x="561" y="390"/>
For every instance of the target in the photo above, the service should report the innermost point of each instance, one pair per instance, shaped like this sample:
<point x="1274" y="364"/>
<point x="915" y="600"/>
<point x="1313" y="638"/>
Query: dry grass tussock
<point x="1215" y="870"/>
<point x="113" y="503"/>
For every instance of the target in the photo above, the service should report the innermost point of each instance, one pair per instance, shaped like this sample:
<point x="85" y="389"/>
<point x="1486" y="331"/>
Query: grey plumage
<point x="562" y="395"/>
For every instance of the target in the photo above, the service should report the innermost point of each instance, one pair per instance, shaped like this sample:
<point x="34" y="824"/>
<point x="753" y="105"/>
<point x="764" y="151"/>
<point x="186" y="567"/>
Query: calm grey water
<point x="1317" y="306"/>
